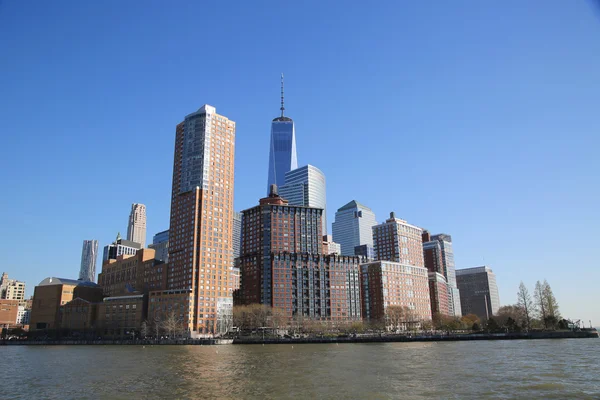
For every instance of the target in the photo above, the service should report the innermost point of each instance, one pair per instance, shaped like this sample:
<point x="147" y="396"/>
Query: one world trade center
<point x="282" y="152"/>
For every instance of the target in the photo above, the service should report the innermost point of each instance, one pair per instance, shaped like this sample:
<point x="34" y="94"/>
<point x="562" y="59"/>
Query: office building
<point x="353" y="227"/>
<point x="439" y="257"/>
<point x="126" y="274"/>
<point x="11" y="289"/>
<point x="136" y="228"/>
<point x="237" y="234"/>
<point x="160" y="245"/>
<point x="200" y="232"/>
<point x="89" y="255"/>
<point x="282" y="149"/>
<point x="397" y="240"/>
<point x="365" y="252"/>
<point x="439" y="294"/>
<point x="305" y="186"/>
<point x="118" y="248"/>
<point x="122" y="316"/>
<point x="388" y="283"/>
<point x="282" y="263"/>
<point x="52" y="293"/>
<point x="478" y="291"/>
<point x="330" y="247"/>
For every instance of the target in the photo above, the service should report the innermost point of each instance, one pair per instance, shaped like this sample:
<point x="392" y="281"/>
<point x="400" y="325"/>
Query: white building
<point x="353" y="227"/>
<point x="11" y="289"/>
<point x="23" y="315"/>
<point x="136" y="229"/>
<point x="305" y="186"/>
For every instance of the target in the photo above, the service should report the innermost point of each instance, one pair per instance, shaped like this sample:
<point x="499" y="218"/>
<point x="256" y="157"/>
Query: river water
<point x="534" y="369"/>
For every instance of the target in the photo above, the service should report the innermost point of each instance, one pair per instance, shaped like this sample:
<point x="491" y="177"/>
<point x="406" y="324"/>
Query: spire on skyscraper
<point x="282" y="107"/>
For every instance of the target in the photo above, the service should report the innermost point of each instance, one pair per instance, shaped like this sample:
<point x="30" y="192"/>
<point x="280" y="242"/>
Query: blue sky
<point x="472" y="118"/>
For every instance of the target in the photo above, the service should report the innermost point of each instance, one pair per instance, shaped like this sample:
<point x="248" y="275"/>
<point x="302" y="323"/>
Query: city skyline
<point x="515" y="153"/>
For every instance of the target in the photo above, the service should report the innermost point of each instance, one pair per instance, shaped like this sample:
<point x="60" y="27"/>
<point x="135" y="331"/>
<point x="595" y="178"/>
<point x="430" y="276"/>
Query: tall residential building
<point x="282" y="263"/>
<point x="118" y="248"/>
<point x="160" y="244"/>
<point x="89" y="255"/>
<point x="11" y="289"/>
<point x="305" y="186"/>
<point x="439" y="294"/>
<point x="282" y="150"/>
<point x="200" y="234"/>
<point x="353" y="226"/>
<point x="478" y="291"/>
<point x="388" y="283"/>
<point x="136" y="229"/>
<point x="237" y="234"/>
<point x="439" y="257"/>
<point x="397" y="240"/>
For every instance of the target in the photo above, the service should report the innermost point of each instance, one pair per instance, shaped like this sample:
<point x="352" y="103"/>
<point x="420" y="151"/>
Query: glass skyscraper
<point x="445" y="242"/>
<point x="89" y="255"/>
<point x="305" y="186"/>
<point x="282" y="151"/>
<point x="353" y="226"/>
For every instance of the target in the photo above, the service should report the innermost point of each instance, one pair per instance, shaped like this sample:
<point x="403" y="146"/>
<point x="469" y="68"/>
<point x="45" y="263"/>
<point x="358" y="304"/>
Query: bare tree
<point x="395" y="316"/>
<point x="525" y="302"/>
<point x="550" y="300"/>
<point x="540" y="302"/>
<point x="171" y="324"/>
<point x="157" y="326"/>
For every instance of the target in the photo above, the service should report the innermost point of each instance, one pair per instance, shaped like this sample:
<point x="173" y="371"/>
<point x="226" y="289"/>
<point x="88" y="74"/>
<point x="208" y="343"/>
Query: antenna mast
<point x="282" y="107"/>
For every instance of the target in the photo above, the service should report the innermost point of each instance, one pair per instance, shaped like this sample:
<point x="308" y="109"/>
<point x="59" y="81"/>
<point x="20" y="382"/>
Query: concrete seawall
<point x="587" y="334"/>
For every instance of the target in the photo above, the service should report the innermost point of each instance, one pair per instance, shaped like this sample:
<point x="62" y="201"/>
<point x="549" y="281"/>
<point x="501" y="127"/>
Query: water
<point x="544" y="369"/>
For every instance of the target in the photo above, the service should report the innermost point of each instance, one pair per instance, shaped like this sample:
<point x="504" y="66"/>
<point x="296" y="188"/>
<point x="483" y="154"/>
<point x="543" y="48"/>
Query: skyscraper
<point x="439" y="257"/>
<point x="118" y="248"/>
<point x="282" y="150"/>
<point x="305" y="186"/>
<point x="89" y="255"/>
<point x="353" y="226"/>
<point x="478" y="291"/>
<point x="200" y="235"/>
<point x="136" y="229"/>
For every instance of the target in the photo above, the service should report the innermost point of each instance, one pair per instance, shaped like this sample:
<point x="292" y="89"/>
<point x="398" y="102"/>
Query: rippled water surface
<point x="536" y="369"/>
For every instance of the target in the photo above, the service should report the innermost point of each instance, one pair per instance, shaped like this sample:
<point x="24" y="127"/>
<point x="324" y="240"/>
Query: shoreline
<point x="587" y="334"/>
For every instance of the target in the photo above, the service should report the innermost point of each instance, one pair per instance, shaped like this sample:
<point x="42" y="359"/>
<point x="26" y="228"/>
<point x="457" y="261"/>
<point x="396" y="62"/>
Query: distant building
<point x="388" y="283"/>
<point x="330" y="247"/>
<point x="439" y="294"/>
<point x="397" y="240"/>
<point x="365" y="252"/>
<point x="160" y="245"/>
<point x="282" y="149"/>
<point x="126" y="274"/>
<point x="11" y="289"/>
<point x="136" y="228"/>
<point x="478" y="291"/>
<point x="52" y="293"/>
<point x="89" y="255"/>
<point x="23" y="314"/>
<point x="353" y="227"/>
<point x="118" y="248"/>
<point x="235" y="278"/>
<point x="237" y="234"/>
<point x="305" y="186"/>
<point x="9" y="310"/>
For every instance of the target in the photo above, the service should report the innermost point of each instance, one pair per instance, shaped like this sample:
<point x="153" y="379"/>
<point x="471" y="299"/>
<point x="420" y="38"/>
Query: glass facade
<point x="282" y="151"/>
<point x="305" y="186"/>
<point x="353" y="227"/>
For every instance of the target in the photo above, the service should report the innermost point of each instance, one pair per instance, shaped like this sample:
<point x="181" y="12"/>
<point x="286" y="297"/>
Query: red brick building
<point x="438" y="293"/>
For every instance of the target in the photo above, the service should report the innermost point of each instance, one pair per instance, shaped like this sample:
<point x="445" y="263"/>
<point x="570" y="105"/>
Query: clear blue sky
<point x="473" y="118"/>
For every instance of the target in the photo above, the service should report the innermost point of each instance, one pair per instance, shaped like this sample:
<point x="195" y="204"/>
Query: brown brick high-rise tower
<point x="198" y="288"/>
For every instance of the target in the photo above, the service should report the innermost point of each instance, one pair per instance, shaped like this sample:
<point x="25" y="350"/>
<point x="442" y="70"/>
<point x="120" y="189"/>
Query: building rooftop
<point x="353" y="204"/>
<point x="473" y="270"/>
<point x="283" y="119"/>
<point x="62" y="281"/>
